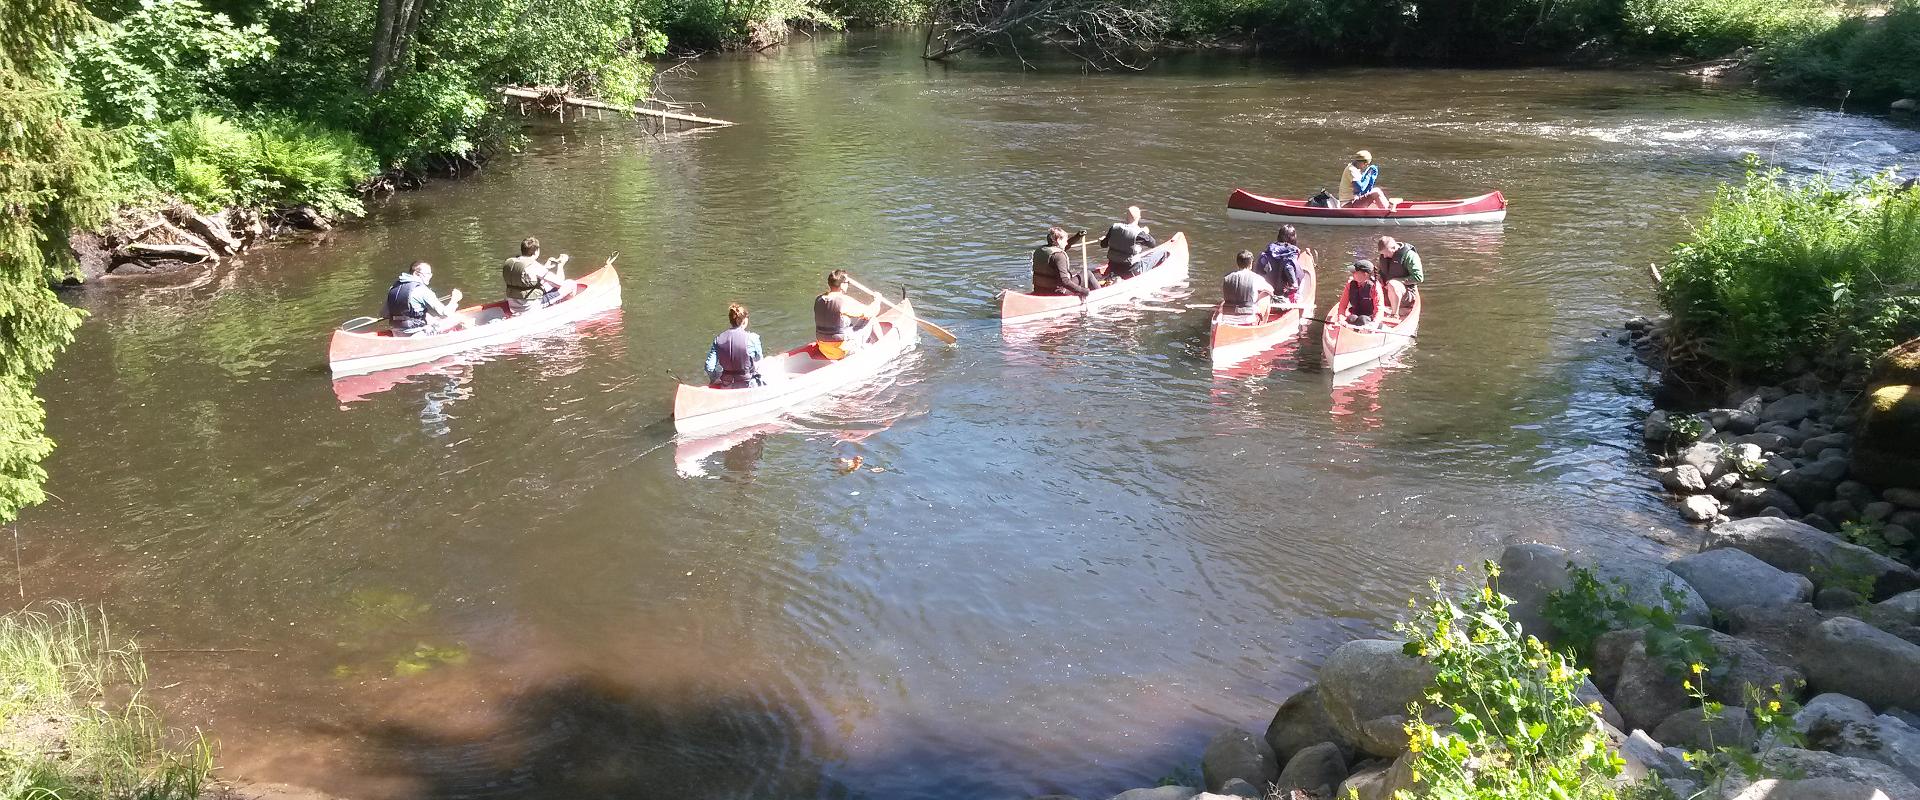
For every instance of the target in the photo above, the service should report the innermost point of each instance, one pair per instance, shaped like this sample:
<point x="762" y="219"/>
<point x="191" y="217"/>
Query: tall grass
<point x="211" y="161"/>
<point x="1783" y="277"/>
<point x="72" y="724"/>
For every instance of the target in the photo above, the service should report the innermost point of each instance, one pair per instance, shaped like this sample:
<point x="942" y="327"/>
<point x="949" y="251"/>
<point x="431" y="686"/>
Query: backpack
<point x="1320" y="200"/>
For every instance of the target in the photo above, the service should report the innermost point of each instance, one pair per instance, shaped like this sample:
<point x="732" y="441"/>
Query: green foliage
<point x="1771" y="712"/>
<point x="1868" y="534"/>
<point x="878" y="12"/>
<point x="163" y="61"/>
<point x="1684" y="430"/>
<point x="91" y="737"/>
<point x="1871" y="58"/>
<point x="1519" y="728"/>
<point x="213" y="162"/>
<point x="1718" y="27"/>
<point x="706" y="24"/>
<point x="54" y="178"/>
<point x="1780" y="275"/>
<point x="1588" y="609"/>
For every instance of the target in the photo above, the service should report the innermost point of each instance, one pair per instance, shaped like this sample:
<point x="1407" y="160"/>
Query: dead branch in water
<point x="1102" y="33"/>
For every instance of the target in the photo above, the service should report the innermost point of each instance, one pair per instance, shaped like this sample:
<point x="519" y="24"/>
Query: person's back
<point x="406" y="315"/>
<point x="1400" y="270"/>
<point x="1243" y="293"/>
<point x="733" y="361"/>
<point x="1124" y="242"/>
<point x="1280" y="266"/>
<point x="530" y="283"/>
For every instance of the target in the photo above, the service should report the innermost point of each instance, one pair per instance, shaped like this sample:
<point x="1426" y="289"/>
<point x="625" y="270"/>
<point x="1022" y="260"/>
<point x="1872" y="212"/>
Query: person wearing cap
<point x="1357" y="189"/>
<point x="1362" y="295"/>
<point x="1125" y="241"/>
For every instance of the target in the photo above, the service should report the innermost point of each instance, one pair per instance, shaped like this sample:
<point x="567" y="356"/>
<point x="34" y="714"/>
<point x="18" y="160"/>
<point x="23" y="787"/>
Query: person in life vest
<point x="1125" y="241"/>
<point x="1363" y="295"/>
<point x="1280" y="264"/>
<point x="1400" y="270"/>
<point x="733" y="362"/>
<point x="1357" y="183"/>
<point x="412" y="309"/>
<point x="1244" y="294"/>
<point x="1053" y="269"/>
<point x="532" y="284"/>
<point x="838" y="320"/>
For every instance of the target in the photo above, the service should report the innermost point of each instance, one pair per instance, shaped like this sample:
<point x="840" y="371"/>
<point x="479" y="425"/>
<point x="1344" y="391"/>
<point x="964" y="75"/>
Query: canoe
<point x="1232" y="343"/>
<point x="1489" y="207"/>
<point x="795" y="377"/>
<point x="1169" y="269"/>
<point x="363" y="345"/>
<point x="1343" y="346"/>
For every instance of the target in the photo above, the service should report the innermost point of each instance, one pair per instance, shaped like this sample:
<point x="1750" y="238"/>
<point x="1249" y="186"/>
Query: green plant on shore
<point x="1771" y="712"/>
<point x="213" y="162"/>
<point x="1519" y="728"/>
<point x="1870" y="534"/>
<point x="74" y="725"/>
<point x="1685" y="430"/>
<point x="1589" y="609"/>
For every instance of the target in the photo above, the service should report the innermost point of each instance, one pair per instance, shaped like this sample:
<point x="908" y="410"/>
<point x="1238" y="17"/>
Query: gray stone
<point x="1903" y="607"/>
<point x="1703" y="456"/>
<point x="1743" y="667"/>
<point x="1159" y="793"/>
<point x="1644" y="757"/>
<point x="1302" y="722"/>
<point x="1812" y="447"/>
<point x="1647" y="693"/>
<point x="1529" y="573"/>
<point x="1379" y="782"/>
<point x="1902" y="497"/>
<point x="1237" y="788"/>
<point x="1837" y="598"/>
<point x="1610" y="652"/>
<point x="1801" y="548"/>
<point x="1683" y="479"/>
<point x="1904" y="105"/>
<point x="1855" y="492"/>
<point x="1589" y="694"/>
<point x="1771" y="466"/>
<point x="1821" y="522"/>
<point x="1781" y="428"/>
<point x="1772" y="442"/>
<point x="1366" y="686"/>
<point x="1317" y="770"/>
<point x="1792" y="408"/>
<point x="1837" y="511"/>
<point x="1840" y="724"/>
<point x="1878" y="511"/>
<point x="1740" y="454"/>
<point x="1238" y="754"/>
<point x="1782" y="629"/>
<point x="1696" y="729"/>
<point x="1727" y="578"/>
<point x="1853" y="658"/>
<point x="1699" y="508"/>
<point x="1725" y="485"/>
<point x="1648" y="583"/>
<point x="1801" y="789"/>
<point x="1905" y="519"/>
<point x="1896" y="535"/>
<point x="1805" y="486"/>
<point x="1657" y="427"/>
<point x="1740" y="422"/>
<point x="1756" y="499"/>
<point x="1807" y="765"/>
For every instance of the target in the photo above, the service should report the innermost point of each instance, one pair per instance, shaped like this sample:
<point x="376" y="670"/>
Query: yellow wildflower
<point x="1699" y="668"/>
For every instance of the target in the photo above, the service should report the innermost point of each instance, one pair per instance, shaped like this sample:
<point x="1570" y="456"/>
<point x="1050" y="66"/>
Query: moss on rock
<point x="1887" y="452"/>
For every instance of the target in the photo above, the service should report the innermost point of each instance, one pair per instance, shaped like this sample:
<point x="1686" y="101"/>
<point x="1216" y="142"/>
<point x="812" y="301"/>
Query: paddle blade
<point x="938" y="332"/>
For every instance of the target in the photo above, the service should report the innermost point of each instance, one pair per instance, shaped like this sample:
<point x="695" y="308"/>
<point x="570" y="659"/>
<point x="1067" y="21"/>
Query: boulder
<point x="1647" y="691"/>
<point x="1302" y="722"/>
<point x="1756" y="499"/>
<point x="1648" y="583"/>
<point x="1159" y="793"/>
<point x="1837" y="598"/>
<point x="1821" y="522"/>
<point x="1380" y="782"/>
<point x="1235" y="788"/>
<point x="1840" y="724"/>
<point x="212" y="230"/>
<point x="1683" y="479"/>
<point x="1801" y="548"/>
<point x="1904" y="105"/>
<point x="1699" y="508"/>
<point x="1610" y="652"/>
<point x="1740" y="422"/>
<point x="1727" y="578"/>
<point x="1902" y="497"/>
<point x="1853" y="658"/>
<point x="1697" y="729"/>
<point x="1897" y="535"/>
<point x="1742" y="667"/>
<point x="1725" y="485"/>
<point x="1366" y="685"/>
<point x="307" y="218"/>
<point x="1529" y="573"/>
<point x="1878" y="511"/>
<point x="1806" y="486"/>
<point x="1703" y="456"/>
<point x="1791" y="409"/>
<point x="1657" y="427"/>
<point x="1770" y="442"/>
<point x="1831" y="466"/>
<point x="1855" y="492"/>
<point x="1809" y="765"/>
<point x="1887" y="452"/>
<point x="1904" y="518"/>
<point x="1589" y="694"/>
<point x="1800" y="789"/>
<point x="1813" y="447"/>
<point x="1238" y="754"/>
<point x="1317" y="770"/>
<point x="1644" y="757"/>
<point x="1903" y="607"/>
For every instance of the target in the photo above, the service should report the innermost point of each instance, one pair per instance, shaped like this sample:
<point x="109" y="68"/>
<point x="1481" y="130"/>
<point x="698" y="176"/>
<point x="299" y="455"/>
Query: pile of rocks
<point x="1857" y="664"/>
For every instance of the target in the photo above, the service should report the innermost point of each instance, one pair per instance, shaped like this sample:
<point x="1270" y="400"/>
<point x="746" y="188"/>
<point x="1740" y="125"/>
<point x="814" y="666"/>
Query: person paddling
<point x="733" y="362"/>
<point x="1053" y="270"/>
<point x="412" y="309"/>
<point x="532" y="284"/>
<point x="838" y="320"/>
<point x="1280" y="264"/>
<point x="1363" y="295"/>
<point x="1125" y="241"/>
<point x="1244" y="294"/>
<point x="1357" y="183"/>
<point x="1401" y="271"/>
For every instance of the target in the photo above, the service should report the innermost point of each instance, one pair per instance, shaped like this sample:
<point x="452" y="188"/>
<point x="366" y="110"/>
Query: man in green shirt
<point x="1400" y="269"/>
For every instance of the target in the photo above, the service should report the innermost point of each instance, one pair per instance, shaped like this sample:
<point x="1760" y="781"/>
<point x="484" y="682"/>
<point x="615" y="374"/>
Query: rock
<point x="1703" y="456"/>
<point x="1904" y="105"/>
<point x="1738" y="455"/>
<point x="1700" y="508"/>
<point x="1854" y="492"/>
<point x="1782" y="629"/>
<point x="1853" y="658"/>
<point x="1302" y="722"/>
<point x="1317" y="770"/>
<point x="1757" y="499"/>
<point x="1529" y="573"/>
<point x="1904" y="518"/>
<point x="1647" y="693"/>
<point x="1808" y="765"/>
<point x="1657" y="427"/>
<point x="1696" y="729"/>
<point x="1801" y="548"/>
<point x="1805" y="487"/>
<point x="1836" y="598"/>
<point x="186" y="253"/>
<point x="1900" y="364"/>
<point x="1837" y="511"/>
<point x="1610" y="652"/>
<point x="1887" y="452"/>
<point x="1897" y="535"/>
<point x="1878" y="511"/>
<point x="1238" y="754"/>
<point x="1742" y="667"/>
<point x="1647" y="583"/>
<point x="1792" y="408"/>
<point x="1740" y="421"/>
<point x="1771" y="466"/>
<point x="1727" y="578"/>
<point x="1637" y="323"/>
<point x="1236" y="788"/>
<point x="1589" y="694"/>
<point x="1159" y="793"/>
<point x="1380" y="782"/>
<point x="1683" y="479"/>
<point x="1772" y="442"/>
<point x="1902" y="497"/>
<point x="1821" y="522"/>
<point x="1645" y="756"/>
<point x="1813" y="447"/>
<point x="1903" y="607"/>
<point x="1800" y="789"/>
<point x="1845" y="726"/>
<point x="307" y="218"/>
<point x="1366" y="685"/>
<point x="1725" y="485"/>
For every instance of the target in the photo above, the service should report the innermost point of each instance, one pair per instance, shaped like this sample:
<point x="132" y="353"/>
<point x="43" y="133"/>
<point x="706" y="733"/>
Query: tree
<point x="54" y="177"/>
<point x="1102" y="33"/>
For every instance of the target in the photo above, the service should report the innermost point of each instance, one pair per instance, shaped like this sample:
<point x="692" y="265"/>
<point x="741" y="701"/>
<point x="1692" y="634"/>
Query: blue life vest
<point x="402" y="313"/>
<point x="1367" y="178"/>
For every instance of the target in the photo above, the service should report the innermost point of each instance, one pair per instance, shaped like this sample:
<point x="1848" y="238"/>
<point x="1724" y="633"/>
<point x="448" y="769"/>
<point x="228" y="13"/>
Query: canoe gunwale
<point x="360" y="352"/>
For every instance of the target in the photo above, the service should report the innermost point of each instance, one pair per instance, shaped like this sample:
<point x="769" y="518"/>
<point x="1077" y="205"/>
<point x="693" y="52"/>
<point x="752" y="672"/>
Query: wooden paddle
<point x="938" y="332"/>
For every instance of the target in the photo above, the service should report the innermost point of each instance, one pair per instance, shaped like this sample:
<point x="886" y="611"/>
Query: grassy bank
<point x="72" y="725"/>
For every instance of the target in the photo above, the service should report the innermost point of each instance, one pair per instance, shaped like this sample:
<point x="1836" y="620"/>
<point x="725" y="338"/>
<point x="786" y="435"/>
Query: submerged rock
<point x="1302" y="722"/>
<point x="1238" y="754"/>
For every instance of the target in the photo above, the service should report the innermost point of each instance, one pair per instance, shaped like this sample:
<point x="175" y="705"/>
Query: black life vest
<point x="1046" y="278"/>
<point x="1360" y="299"/>
<point x="517" y="272"/>
<point x="829" y="325"/>
<point x="402" y="314"/>
<point x="734" y="352"/>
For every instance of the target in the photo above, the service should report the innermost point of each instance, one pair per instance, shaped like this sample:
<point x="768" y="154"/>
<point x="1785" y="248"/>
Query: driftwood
<point x="562" y="98"/>
<point x="212" y="231"/>
<point x="191" y="254"/>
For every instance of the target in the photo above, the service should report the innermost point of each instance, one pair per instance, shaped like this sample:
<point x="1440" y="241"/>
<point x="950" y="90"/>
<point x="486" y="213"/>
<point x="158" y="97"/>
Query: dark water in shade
<point x="1064" y="563"/>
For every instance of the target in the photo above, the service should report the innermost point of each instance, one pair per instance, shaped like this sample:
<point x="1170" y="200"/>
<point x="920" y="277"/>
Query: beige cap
<point x="1362" y="155"/>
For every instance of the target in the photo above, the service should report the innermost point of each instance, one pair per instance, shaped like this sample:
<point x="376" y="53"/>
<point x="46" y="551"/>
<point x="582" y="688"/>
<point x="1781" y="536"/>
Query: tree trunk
<point x="393" y="32"/>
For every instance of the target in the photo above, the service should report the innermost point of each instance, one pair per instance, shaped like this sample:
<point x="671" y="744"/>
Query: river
<point x="1059" y="564"/>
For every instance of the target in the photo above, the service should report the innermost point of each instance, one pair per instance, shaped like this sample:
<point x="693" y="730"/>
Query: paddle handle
<point x="938" y="332"/>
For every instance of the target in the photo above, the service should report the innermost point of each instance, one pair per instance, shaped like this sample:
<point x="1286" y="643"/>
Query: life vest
<point x="1280" y="265"/>
<point x="1394" y="267"/>
<point x="829" y="325"/>
<point x="522" y="277"/>
<point x="735" y="354"/>
<point x="1045" y="277"/>
<point x="402" y="313"/>
<point x="1363" y="301"/>
<point x="1123" y="242"/>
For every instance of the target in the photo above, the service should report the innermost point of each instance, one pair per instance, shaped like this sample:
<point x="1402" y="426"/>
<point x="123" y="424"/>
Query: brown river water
<point x="1063" y="563"/>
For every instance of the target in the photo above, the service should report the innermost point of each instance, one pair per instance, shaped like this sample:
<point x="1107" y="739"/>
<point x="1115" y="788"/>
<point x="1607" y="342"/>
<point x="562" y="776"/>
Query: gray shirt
<point x="1242" y="289"/>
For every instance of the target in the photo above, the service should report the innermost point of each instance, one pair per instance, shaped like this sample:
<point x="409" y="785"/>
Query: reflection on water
<point x="1082" y="552"/>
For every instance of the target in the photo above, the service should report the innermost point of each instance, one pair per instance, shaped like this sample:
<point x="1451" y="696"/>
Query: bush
<point x="163" y="61"/>
<point x="1782" y="277"/>
<point x="1718" y="27"/>
<point x="210" y="161"/>
<point x="1872" y="59"/>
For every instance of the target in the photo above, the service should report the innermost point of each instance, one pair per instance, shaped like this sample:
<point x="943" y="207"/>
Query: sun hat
<point x="1362" y="155"/>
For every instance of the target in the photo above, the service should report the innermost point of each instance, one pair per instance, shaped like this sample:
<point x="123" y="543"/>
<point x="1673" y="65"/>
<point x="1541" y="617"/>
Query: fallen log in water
<point x="191" y="254"/>
<point x="560" y="96"/>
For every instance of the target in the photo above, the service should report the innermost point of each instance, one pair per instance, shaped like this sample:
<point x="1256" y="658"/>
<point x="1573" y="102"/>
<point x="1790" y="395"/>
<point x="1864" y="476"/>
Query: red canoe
<point x="1170" y="269"/>
<point x="1343" y="346"/>
<point x="795" y="377"/>
<point x="1232" y="343"/>
<point x="1489" y="207"/>
<point x="363" y="345"/>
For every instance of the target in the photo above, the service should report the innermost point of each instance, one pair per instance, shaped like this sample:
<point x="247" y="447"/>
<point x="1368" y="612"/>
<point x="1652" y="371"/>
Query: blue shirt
<point x="713" y="355"/>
